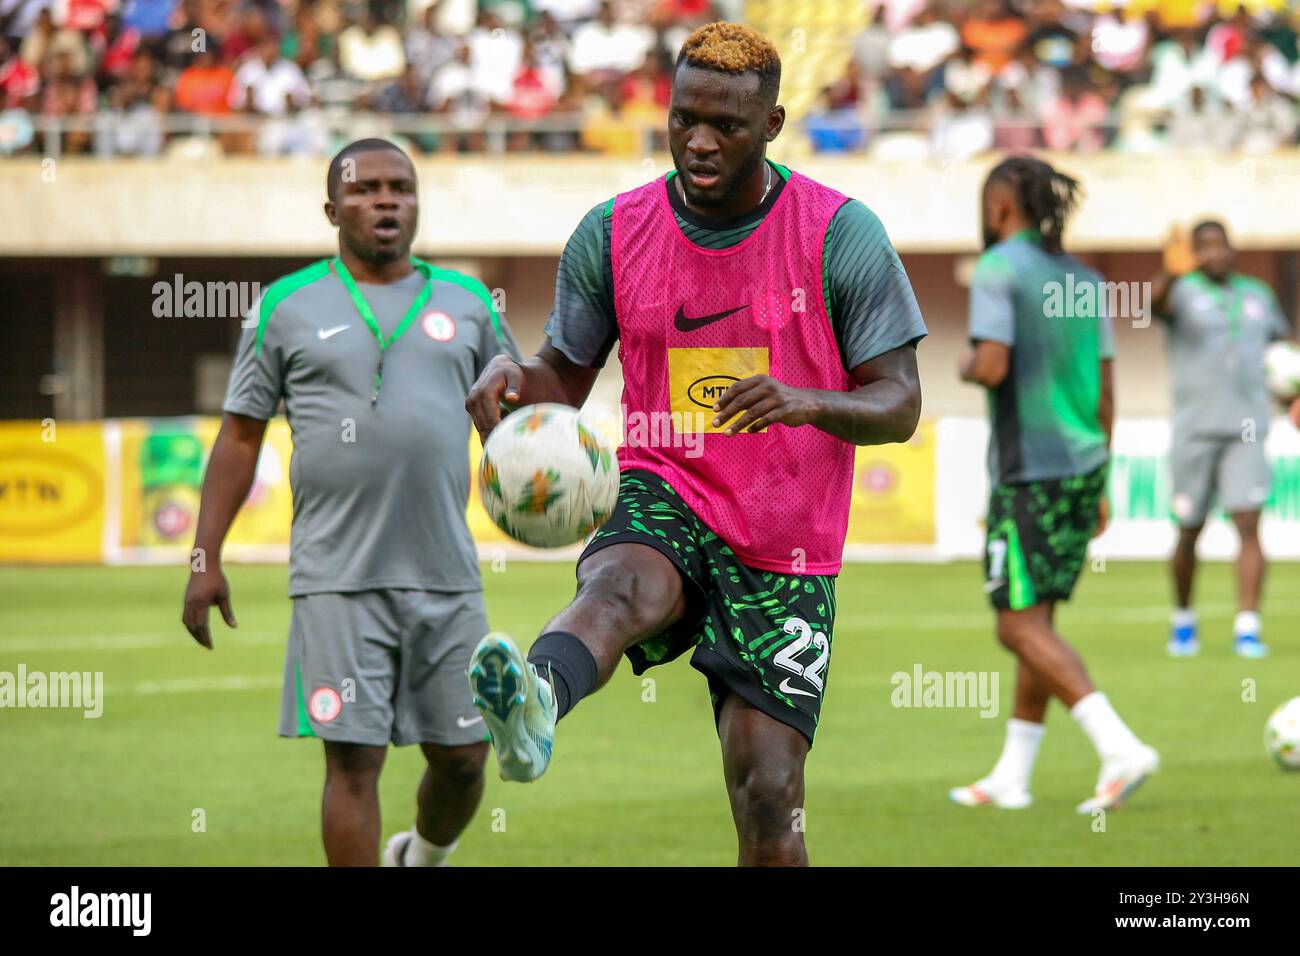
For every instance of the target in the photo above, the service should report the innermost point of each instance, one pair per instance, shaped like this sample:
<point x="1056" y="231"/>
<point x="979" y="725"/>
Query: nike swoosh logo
<point x="462" y="722"/>
<point x="324" y="334"/>
<point x="685" y="324"/>
<point x="785" y="686"/>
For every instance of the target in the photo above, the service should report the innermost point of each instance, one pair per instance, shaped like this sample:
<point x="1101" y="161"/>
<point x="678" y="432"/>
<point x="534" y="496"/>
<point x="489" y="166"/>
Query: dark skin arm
<point x="1106" y="415"/>
<point x="548" y="376"/>
<point x="225" y="486"/>
<point x="987" y="364"/>
<point x="885" y="407"/>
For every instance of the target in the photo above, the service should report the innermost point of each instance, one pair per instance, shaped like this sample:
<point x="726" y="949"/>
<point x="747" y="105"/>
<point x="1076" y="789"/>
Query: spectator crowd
<point x="954" y="78"/>
<point x="926" y="77"/>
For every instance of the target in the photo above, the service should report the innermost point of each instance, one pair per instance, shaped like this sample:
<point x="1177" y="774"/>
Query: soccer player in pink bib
<point x="768" y="319"/>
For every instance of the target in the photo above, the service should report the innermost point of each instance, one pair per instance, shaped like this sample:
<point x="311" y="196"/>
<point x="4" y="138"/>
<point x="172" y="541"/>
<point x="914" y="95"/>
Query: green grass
<point x="639" y="782"/>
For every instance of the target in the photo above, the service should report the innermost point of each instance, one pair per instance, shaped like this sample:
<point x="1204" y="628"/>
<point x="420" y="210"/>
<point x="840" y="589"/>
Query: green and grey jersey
<point x="1044" y="414"/>
<point x="1216" y="337"/>
<point x="868" y="296"/>
<point x="379" y="488"/>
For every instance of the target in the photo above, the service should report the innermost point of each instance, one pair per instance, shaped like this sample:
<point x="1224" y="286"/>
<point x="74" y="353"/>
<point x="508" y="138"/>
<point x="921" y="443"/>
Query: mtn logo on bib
<point x="438" y="326"/>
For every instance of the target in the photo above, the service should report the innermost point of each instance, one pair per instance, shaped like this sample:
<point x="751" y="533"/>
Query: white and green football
<point x="1282" y="734"/>
<point x="1282" y="370"/>
<point x="547" y="477"/>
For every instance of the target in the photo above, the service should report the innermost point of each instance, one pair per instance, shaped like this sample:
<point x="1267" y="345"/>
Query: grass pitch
<point x="635" y="781"/>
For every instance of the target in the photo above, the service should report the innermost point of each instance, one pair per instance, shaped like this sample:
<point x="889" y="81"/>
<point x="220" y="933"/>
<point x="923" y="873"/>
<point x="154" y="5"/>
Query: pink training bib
<point x="691" y="322"/>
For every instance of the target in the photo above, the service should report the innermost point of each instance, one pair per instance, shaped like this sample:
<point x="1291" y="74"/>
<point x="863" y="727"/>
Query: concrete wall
<point x="528" y="205"/>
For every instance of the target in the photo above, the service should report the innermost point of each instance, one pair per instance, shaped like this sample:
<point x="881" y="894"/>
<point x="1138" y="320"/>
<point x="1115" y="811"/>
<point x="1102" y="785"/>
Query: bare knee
<point x="1187" y="537"/>
<point x="353" y="766"/>
<point x="639" y="601"/>
<point x="767" y="798"/>
<point x="461" y="767"/>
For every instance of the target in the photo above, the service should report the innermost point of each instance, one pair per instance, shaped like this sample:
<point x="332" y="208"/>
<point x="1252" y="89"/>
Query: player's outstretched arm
<point x="548" y="376"/>
<point x="884" y="408"/>
<point x="230" y="472"/>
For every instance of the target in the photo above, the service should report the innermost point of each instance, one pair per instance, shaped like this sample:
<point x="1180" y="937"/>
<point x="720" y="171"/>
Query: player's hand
<point x="761" y="400"/>
<point x="1295" y="413"/>
<point x="502" y="380"/>
<point x="1177" y="257"/>
<point x="205" y="589"/>
<point x="1103" y="517"/>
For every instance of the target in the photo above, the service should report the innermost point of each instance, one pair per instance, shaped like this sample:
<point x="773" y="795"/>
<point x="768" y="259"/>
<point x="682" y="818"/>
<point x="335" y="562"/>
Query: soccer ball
<point x="1282" y="369"/>
<point x="1282" y="735"/>
<point x="547" y="478"/>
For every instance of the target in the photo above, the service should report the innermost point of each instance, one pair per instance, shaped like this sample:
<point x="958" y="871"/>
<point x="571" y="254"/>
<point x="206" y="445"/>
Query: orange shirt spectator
<point x="204" y="87"/>
<point x="995" y="33"/>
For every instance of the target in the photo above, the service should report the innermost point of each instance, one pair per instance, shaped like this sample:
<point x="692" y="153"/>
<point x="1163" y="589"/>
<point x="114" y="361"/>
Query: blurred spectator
<point x="1202" y="125"/>
<point x="994" y="33"/>
<point x="551" y="47"/>
<point x="149" y="17"/>
<point x="923" y="45"/>
<point x="406" y="94"/>
<point x="1050" y="40"/>
<point x="454" y="95"/>
<point x="1074" y="120"/>
<point x="117" y="44"/>
<point x="568" y="12"/>
<point x="46" y="42"/>
<point x="306" y="43"/>
<point x="269" y="84"/>
<point x="428" y="49"/>
<point x="245" y="39"/>
<point x="961" y="128"/>
<point x="966" y="76"/>
<point x="603" y="48"/>
<point x="372" y="50"/>
<point x="17" y="17"/>
<point x="19" y="80"/>
<point x="1268" y="121"/>
<point x="532" y="92"/>
<point x="1180" y="65"/>
<point x="494" y="57"/>
<point x="1119" y="41"/>
<point x="68" y="95"/>
<point x="204" y="86"/>
<point x="834" y="128"/>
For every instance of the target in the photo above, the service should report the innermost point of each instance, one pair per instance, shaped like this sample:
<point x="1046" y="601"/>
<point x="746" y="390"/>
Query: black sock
<point x="569" y="666"/>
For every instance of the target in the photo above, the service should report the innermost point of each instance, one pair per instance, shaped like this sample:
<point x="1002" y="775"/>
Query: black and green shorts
<point x="762" y="635"/>
<point x="1038" y="533"/>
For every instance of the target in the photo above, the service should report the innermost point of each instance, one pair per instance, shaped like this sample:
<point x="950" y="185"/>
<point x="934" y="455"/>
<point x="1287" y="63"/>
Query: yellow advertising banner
<point x="893" y="492"/>
<point x="127" y="490"/>
<point x="162" y="465"/>
<point x="51" y="492"/>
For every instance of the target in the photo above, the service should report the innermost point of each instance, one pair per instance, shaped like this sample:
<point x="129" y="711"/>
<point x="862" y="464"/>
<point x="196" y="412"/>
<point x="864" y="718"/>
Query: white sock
<point x="1183" y="617"/>
<point x="1247" y="622"/>
<point x="1019" y="752"/>
<point x="420" y="852"/>
<point x="1108" y="733"/>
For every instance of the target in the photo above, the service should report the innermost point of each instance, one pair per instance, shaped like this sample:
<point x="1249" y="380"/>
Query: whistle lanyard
<point x="368" y="315"/>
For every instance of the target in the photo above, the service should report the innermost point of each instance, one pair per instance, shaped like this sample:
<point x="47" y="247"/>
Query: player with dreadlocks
<point x="766" y="319"/>
<point x="1043" y="349"/>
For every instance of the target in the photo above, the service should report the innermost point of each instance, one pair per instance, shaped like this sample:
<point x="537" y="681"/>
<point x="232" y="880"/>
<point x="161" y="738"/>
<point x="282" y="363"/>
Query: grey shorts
<point x="1205" y="465"/>
<point x="372" y="667"/>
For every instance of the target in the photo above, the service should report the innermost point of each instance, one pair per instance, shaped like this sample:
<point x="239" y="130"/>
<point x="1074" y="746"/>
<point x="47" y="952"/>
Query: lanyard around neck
<point x="368" y="316"/>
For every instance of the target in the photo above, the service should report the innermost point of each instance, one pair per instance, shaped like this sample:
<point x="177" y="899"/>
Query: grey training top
<point x="1216" y="336"/>
<point x="379" y="491"/>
